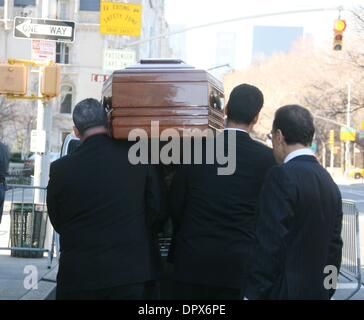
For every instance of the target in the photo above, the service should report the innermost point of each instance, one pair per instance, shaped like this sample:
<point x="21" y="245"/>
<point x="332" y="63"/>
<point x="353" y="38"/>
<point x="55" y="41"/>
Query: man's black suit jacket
<point x="106" y="212"/>
<point x="298" y="232"/>
<point x="214" y="216"/>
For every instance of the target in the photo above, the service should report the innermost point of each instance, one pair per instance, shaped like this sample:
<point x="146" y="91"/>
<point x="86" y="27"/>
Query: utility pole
<point x="332" y="145"/>
<point x="332" y="158"/>
<point x="324" y="154"/>
<point x="347" y="143"/>
<point x="342" y="158"/>
<point x="44" y="123"/>
<point x="8" y="14"/>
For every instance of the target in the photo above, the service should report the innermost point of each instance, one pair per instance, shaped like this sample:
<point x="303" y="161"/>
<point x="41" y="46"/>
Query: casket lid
<point x="160" y="64"/>
<point x="167" y="70"/>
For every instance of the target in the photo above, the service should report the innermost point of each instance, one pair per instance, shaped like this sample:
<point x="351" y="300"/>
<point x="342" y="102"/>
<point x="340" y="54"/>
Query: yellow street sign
<point x="362" y="125"/>
<point x="347" y="134"/>
<point x="120" y="18"/>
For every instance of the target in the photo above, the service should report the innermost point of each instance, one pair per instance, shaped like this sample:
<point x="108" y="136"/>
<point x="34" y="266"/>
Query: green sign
<point x="314" y="147"/>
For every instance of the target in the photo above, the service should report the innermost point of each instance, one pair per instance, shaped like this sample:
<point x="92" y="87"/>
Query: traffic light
<point x="51" y="80"/>
<point x="13" y="79"/>
<point x="339" y="28"/>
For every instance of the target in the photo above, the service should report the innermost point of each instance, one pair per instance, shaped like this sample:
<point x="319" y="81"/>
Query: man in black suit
<point x="299" y="227"/>
<point x="214" y="215"/>
<point x="106" y="211"/>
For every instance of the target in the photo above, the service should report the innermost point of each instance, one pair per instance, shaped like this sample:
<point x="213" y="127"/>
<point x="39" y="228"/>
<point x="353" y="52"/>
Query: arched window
<point x="66" y="99"/>
<point x="90" y="5"/>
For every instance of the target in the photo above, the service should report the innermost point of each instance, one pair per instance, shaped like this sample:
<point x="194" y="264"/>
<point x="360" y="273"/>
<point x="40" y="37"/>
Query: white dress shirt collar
<point x="299" y="152"/>
<point x="237" y="129"/>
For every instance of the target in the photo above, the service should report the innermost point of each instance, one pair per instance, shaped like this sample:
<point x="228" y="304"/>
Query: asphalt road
<point x="354" y="192"/>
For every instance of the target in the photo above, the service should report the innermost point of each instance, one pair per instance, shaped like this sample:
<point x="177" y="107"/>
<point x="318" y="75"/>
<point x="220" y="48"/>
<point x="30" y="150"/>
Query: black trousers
<point x="187" y="291"/>
<point x="137" y="291"/>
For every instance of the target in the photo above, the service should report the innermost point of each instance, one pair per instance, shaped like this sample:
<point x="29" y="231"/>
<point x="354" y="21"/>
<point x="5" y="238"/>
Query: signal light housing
<point x="51" y="80"/>
<point x="339" y="28"/>
<point x="13" y="79"/>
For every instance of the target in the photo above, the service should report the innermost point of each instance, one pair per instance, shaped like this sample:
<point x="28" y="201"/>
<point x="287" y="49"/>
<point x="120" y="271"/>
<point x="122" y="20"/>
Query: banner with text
<point x="116" y="59"/>
<point x="120" y="19"/>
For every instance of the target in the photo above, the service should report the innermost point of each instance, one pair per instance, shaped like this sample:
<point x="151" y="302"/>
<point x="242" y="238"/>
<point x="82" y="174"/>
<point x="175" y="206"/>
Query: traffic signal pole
<point x="348" y="122"/>
<point x="249" y="17"/>
<point x="332" y="158"/>
<point x="44" y="123"/>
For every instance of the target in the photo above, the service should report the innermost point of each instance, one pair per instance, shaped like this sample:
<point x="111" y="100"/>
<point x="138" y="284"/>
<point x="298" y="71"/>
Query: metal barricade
<point x="351" y="265"/>
<point x="28" y="219"/>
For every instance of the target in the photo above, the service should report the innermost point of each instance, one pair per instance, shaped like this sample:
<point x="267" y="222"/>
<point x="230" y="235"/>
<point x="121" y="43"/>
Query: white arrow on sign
<point x="28" y="28"/>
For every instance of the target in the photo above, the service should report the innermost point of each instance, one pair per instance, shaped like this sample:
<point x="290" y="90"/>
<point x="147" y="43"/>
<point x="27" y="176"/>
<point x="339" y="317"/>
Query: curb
<point x="46" y="289"/>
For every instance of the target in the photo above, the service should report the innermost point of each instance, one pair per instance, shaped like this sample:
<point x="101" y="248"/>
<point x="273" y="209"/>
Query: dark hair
<point x="88" y="114"/>
<point x="245" y="102"/>
<point x="296" y="124"/>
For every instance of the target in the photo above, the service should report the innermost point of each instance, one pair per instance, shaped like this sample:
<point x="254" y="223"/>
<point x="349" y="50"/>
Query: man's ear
<point x="77" y="133"/>
<point x="280" y="136"/>
<point x="255" y="120"/>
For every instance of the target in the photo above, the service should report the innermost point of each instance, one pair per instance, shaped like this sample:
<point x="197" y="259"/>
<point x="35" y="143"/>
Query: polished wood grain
<point x="160" y="111"/>
<point x="123" y="132"/>
<point x="159" y="94"/>
<point x="178" y="99"/>
<point x="167" y="121"/>
<point x="144" y="76"/>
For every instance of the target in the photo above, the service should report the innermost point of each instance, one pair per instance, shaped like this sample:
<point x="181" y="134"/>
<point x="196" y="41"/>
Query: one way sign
<point x="56" y="30"/>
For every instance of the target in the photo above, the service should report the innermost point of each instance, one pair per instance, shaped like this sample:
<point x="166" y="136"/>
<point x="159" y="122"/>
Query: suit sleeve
<point x="156" y="199"/>
<point x="52" y="206"/>
<point x="177" y="203"/>
<point x="336" y="243"/>
<point x="177" y="196"/>
<point x="275" y="216"/>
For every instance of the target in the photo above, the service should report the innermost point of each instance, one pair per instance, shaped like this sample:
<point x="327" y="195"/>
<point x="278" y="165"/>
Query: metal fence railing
<point x="351" y="264"/>
<point x="27" y="223"/>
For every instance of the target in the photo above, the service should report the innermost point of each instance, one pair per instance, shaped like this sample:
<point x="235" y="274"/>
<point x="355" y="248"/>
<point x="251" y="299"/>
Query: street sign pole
<point x="332" y="158"/>
<point x="332" y="145"/>
<point x="42" y="160"/>
<point x="44" y="122"/>
<point x="347" y="144"/>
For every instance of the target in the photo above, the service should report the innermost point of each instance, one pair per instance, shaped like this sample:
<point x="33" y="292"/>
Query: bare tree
<point x="17" y="119"/>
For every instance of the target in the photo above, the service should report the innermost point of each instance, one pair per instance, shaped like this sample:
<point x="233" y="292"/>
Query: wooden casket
<point x="168" y="92"/>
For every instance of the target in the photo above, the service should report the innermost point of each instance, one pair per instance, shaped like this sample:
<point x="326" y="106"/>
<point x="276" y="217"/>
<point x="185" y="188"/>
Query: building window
<point x="1" y="3"/>
<point x="63" y="10"/>
<point x="24" y="3"/>
<point x="90" y="5"/>
<point x="62" y="53"/>
<point x="66" y="99"/>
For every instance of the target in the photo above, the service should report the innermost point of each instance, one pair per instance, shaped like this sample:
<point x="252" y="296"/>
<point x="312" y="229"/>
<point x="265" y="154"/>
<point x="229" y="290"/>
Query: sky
<point x="201" y="43"/>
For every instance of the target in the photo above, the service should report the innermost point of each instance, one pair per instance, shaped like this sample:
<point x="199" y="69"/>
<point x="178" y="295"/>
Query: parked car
<point x="70" y="144"/>
<point x="356" y="173"/>
<point x="29" y="162"/>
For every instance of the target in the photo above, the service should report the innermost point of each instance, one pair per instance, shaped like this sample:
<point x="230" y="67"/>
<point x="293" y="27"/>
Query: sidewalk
<point x="12" y="281"/>
<point x="12" y="273"/>
<point x="346" y="288"/>
<point x="12" y="278"/>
